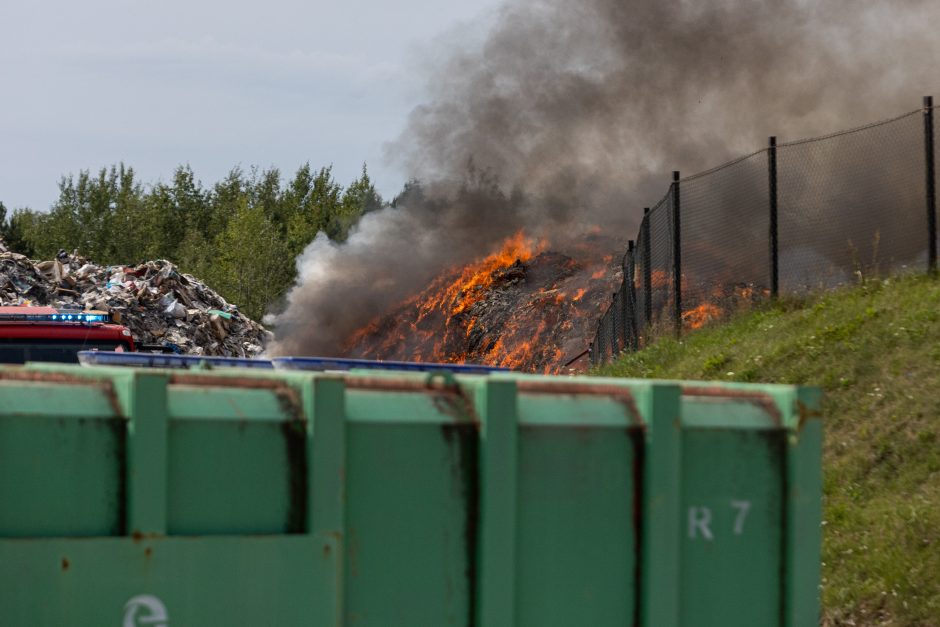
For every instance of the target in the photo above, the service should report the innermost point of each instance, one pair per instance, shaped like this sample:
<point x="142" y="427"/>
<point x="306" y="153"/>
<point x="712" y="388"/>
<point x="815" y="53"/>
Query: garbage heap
<point x="158" y="303"/>
<point x="533" y="316"/>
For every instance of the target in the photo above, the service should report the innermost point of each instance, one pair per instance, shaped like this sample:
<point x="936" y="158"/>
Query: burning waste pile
<point x="521" y="307"/>
<point x="158" y="303"/>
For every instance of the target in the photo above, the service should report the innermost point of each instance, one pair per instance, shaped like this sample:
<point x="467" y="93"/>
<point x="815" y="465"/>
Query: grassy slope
<point x="875" y="350"/>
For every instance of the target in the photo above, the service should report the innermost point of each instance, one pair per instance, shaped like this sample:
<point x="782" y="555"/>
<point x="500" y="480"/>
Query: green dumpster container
<point x="147" y="497"/>
<point x="740" y="476"/>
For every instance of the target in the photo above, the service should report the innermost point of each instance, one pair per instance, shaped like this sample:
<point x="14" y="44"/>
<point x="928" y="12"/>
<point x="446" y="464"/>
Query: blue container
<point x="154" y="360"/>
<point x="336" y="363"/>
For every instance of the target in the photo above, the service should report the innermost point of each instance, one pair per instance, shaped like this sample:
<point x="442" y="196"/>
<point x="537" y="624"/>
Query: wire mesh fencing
<point x="791" y="218"/>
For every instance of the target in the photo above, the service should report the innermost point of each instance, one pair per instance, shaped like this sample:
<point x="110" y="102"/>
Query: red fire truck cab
<point x="47" y="334"/>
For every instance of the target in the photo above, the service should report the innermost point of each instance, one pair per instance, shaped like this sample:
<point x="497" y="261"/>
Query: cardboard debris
<point x="158" y="303"/>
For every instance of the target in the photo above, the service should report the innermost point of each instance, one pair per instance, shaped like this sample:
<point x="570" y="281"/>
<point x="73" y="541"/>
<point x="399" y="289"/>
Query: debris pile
<point x="158" y="303"/>
<point x="524" y="309"/>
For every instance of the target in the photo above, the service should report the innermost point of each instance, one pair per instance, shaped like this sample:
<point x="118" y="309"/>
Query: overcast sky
<point x="214" y="84"/>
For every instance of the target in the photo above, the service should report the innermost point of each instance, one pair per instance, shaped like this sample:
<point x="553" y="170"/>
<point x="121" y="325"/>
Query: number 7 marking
<point x="743" y="508"/>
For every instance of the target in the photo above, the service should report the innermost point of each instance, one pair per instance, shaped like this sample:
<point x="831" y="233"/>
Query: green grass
<point x="875" y="350"/>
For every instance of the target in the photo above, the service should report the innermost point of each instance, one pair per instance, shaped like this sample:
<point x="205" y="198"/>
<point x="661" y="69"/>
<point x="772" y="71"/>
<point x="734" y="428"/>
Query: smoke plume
<point x="573" y="114"/>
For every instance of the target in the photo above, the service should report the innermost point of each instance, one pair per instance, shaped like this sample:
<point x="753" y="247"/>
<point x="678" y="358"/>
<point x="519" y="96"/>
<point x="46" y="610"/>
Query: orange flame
<point x="444" y="304"/>
<point x="701" y="315"/>
<point x="462" y="315"/>
<point x="473" y="281"/>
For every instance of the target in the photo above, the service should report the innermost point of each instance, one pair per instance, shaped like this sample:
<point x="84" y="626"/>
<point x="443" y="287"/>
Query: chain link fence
<point x="792" y="218"/>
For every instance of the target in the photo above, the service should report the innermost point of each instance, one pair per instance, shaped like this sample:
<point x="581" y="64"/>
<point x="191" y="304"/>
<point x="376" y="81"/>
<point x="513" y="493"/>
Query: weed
<point x="714" y="363"/>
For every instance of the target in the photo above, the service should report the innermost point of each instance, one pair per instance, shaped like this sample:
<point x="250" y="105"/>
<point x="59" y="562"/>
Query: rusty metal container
<point x="174" y="497"/>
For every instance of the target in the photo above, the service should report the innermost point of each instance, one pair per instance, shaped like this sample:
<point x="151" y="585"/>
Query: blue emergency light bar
<point x="337" y="363"/>
<point x="154" y="360"/>
<point x="62" y="316"/>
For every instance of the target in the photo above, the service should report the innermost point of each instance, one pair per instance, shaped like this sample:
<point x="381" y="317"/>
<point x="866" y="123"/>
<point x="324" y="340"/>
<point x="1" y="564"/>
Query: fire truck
<point x="48" y="334"/>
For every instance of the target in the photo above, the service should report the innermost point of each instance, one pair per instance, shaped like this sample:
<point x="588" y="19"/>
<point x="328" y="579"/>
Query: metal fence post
<point x="647" y="270"/>
<point x="624" y="305"/>
<point x="614" y="327"/>
<point x="931" y="186"/>
<point x="621" y="320"/>
<point x="774" y="256"/>
<point x="629" y="300"/>
<point x="677" y="252"/>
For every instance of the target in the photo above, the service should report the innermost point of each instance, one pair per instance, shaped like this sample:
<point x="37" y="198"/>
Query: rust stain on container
<point x="48" y="377"/>
<point x="198" y="380"/>
<point x="58" y="377"/>
<point x="400" y="385"/>
<point x="449" y="398"/>
<point x="760" y="399"/>
<point x="223" y="382"/>
<point x="805" y="414"/>
<point x="464" y="441"/>
<point x="620" y="394"/>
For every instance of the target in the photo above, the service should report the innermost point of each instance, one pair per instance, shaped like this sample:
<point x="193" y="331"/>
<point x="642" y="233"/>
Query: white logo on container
<point x="145" y="609"/>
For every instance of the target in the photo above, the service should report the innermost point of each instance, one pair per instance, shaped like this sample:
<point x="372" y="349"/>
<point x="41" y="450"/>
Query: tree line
<point x="241" y="235"/>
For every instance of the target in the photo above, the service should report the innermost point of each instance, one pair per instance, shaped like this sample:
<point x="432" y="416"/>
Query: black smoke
<point x="573" y="114"/>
